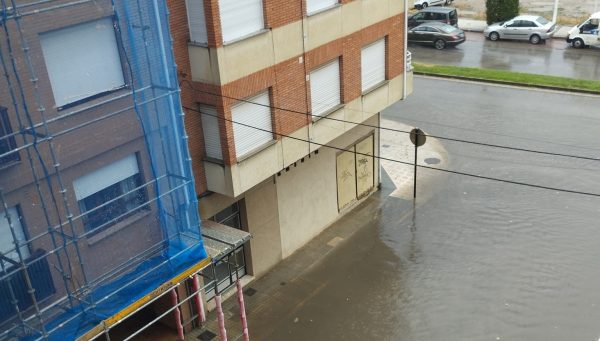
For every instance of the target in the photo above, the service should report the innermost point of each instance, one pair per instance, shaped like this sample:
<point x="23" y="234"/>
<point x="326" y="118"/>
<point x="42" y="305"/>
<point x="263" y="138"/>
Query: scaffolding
<point x="97" y="196"/>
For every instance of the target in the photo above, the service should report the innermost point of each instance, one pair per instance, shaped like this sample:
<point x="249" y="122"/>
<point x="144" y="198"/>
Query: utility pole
<point x="555" y="13"/>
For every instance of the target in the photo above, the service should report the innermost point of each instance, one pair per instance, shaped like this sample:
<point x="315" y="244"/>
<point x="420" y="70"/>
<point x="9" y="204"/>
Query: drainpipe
<point x="405" y="48"/>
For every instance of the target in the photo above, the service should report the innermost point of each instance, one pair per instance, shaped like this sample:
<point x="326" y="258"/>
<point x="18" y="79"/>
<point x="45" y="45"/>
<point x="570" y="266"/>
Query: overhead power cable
<point x="402" y="162"/>
<point x="397" y="130"/>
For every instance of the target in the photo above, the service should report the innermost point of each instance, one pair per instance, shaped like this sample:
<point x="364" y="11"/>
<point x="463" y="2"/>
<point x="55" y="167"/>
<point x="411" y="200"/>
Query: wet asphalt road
<point x="477" y="260"/>
<point x="555" y="57"/>
<point x="495" y="261"/>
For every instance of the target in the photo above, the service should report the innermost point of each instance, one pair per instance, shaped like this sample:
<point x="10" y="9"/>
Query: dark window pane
<point x="113" y="203"/>
<point x="7" y="143"/>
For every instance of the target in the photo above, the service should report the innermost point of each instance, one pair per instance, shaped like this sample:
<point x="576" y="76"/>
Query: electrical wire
<point x="395" y="130"/>
<point x="404" y="162"/>
<point x="410" y="119"/>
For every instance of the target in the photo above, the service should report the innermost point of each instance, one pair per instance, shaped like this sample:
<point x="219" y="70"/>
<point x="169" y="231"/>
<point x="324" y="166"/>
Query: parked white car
<point x="534" y="28"/>
<point x="420" y="4"/>
<point x="585" y="34"/>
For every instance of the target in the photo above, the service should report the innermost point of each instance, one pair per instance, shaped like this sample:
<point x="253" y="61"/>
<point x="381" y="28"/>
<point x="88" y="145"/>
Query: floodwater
<point x="554" y="58"/>
<point x="477" y="259"/>
<point x="486" y="260"/>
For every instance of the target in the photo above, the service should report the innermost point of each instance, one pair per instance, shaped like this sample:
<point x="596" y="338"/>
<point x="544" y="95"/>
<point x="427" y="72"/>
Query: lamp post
<point x="555" y="13"/>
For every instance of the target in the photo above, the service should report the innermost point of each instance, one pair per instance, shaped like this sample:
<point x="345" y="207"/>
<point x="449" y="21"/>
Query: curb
<point x="522" y="85"/>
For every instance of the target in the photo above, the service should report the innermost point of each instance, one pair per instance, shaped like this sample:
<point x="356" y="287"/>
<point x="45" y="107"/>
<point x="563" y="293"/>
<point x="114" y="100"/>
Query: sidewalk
<point x="473" y="25"/>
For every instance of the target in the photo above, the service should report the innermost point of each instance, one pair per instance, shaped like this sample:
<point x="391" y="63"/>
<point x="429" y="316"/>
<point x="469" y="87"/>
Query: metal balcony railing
<point x="14" y="288"/>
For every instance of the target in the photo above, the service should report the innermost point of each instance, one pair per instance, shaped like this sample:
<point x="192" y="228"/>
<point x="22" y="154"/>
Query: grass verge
<point x="508" y="77"/>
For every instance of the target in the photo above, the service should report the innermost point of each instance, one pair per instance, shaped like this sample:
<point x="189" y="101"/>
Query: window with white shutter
<point x="313" y="6"/>
<point x="196" y="21"/>
<point x="82" y="61"/>
<point x="252" y="127"/>
<point x="108" y="194"/>
<point x="325" y="88"/>
<point x="240" y="18"/>
<point x="210" y="128"/>
<point x="373" y="64"/>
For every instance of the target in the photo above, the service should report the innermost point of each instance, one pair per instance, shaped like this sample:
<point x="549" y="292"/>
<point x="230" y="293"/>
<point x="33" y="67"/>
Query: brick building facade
<point x="276" y="186"/>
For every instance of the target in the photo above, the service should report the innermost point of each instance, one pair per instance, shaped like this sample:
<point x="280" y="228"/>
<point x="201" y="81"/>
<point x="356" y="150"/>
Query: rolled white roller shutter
<point x="325" y="88"/>
<point x="373" y="64"/>
<point x="252" y="124"/>
<point x="197" y="21"/>
<point x="210" y="128"/>
<point x="240" y="18"/>
<point x="313" y="6"/>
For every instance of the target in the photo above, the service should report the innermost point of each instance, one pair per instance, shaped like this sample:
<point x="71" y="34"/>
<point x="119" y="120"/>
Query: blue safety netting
<point x="97" y="200"/>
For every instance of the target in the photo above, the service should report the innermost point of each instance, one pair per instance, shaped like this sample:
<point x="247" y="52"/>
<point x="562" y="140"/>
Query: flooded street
<point x="486" y="260"/>
<point x="476" y="259"/>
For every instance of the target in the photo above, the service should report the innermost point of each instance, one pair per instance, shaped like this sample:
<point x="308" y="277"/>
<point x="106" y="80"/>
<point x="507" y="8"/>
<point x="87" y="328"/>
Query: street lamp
<point x="555" y="14"/>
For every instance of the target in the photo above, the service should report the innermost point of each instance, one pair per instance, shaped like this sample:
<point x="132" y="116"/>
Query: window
<point x="418" y="16"/>
<point x="109" y="194"/>
<point x="527" y="23"/>
<point x="197" y="21"/>
<point x="240" y="18"/>
<point x="313" y="6"/>
<point x="7" y="140"/>
<point x="82" y="61"/>
<point x="373" y="64"/>
<point x="256" y="128"/>
<point x="210" y="128"/>
<point x="325" y="88"/>
<point x="230" y="216"/>
<point x="7" y="245"/>
<point x="438" y="16"/>
<point x="226" y="267"/>
<point x="15" y="288"/>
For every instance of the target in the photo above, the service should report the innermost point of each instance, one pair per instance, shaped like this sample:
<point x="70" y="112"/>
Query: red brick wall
<point x="213" y="23"/>
<point x="282" y="12"/>
<point x="193" y="127"/>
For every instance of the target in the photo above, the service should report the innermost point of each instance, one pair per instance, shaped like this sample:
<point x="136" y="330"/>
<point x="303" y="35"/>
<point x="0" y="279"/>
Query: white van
<point x="422" y="4"/>
<point x="585" y="34"/>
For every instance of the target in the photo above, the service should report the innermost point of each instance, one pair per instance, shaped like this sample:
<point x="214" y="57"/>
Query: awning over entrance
<point x="221" y="240"/>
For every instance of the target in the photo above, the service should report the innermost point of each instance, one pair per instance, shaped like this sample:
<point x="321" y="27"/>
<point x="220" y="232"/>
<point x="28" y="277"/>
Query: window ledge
<point x="256" y="151"/>
<point x="375" y="87"/>
<point x="197" y="43"/>
<point x="95" y="100"/>
<point x="109" y="231"/>
<point x="315" y="118"/>
<point x="9" y="164"/>
<point x="323" y="10"/>
<point x="257" y="33"/>
<point x="213" y="160"/>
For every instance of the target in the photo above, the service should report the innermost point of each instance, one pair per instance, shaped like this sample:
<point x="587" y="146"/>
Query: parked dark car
<point x="437" y="34"/>
<point x="446" y="15"/>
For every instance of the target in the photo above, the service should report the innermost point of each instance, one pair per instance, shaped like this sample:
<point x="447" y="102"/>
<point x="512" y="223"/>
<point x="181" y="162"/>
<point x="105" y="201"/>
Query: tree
<point x="501" y="10"/>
